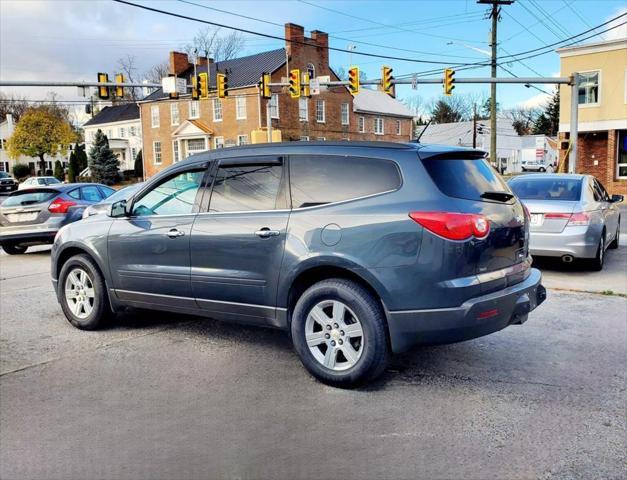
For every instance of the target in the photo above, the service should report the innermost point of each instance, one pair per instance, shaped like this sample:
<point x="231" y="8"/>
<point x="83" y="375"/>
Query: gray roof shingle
<point x="116" y="113"/>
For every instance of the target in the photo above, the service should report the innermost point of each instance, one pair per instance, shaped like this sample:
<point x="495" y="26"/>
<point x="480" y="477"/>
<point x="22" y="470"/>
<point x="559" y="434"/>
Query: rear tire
<point x="614" y="244"/>
<point x="339" y="332"/>
<point x="14" y="248"/>
<point x="542" y="170"/>
<point x="82" y="293"/>
<point x="599" y="260"/>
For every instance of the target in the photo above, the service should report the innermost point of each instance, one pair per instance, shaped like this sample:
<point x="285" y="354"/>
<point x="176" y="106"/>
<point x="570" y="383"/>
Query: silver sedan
<point x="572" y="216"/>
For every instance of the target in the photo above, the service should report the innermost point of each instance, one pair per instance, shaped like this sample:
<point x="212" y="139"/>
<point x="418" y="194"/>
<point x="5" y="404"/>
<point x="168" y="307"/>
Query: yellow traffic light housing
<point x="306" y="86"/>
<point x="195" y="90"/>
<point x="203" y="85"/>
<point x="264" y="86"/>
<point x="294" y="83"/>
<point x="449" y="81"/>
<point x="353" y="80"/>
<point x="103" y="92"/>
<point x="386" y="80"/>
<point x="119" y="90"/>
<point x="222" y="83"/>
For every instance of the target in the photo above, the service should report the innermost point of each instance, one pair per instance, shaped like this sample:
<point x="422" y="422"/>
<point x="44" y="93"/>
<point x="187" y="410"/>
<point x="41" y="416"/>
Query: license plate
<point x="536" y="219"/>
<point x="22" y="217"/>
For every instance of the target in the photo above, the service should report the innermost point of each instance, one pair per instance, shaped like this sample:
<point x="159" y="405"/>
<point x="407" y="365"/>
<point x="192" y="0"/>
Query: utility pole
<point x="494" y="15"/>
<point x="474" y="126"/>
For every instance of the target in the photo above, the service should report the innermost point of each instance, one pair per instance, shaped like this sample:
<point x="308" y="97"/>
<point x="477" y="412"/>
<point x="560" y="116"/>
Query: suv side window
<point x="174" y="196"/>
<point x="246" y="188"/>
<point x="317" y="180"/>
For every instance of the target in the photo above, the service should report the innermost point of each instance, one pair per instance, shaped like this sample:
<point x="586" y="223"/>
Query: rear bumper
<point x="474" y="318"/>
<point x="8" y="187"/>
<point x="32" y="236"/>
<point x="580" y="242"/>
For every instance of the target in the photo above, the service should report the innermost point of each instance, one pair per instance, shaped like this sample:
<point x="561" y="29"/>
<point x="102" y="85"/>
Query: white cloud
<point x="620" y="32"/>
<point x="537" y="101"/>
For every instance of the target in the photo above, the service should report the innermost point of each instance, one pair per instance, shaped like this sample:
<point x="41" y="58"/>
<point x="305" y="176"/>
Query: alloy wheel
<point x="79" y="293"/>
<point x="334" y="335"/>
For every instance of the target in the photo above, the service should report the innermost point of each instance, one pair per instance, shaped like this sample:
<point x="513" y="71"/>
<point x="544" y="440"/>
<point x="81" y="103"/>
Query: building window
<point x="218" y="142"/>
<point x="622" y="154"/>
<point x="274" y="106"/>
<point x="311" y="71"/>
<point x="194" y="109"/>
<point x="344" y="110"/>
<point x="304" y="138"/>
<point x="133" y="153"/>
<point x="362" y="124"/>
<point x="398" y="127"/>
<point x="154" y="116"/>
<point x="122" y="132"/>
<point x="303" y="109"/>
<point x="378" y="126"/>
<point x="217" y="110"/>
<point x="175" y="118"/>
<point x="320" y="111"/>
<point x="242" y="139"/>
<point x="156" y="146"/>
<point x="175" y="151"/>
<point x="133" y="131"/>
<point x="240" y="108"/>
<point x="588" y="88"/>
<point x="110" y="133"/>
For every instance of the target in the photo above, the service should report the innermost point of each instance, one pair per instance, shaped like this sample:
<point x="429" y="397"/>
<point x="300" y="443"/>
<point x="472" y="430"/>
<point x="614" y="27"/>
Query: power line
<point x="533" y="14"/>
<point x="576" y="12"/>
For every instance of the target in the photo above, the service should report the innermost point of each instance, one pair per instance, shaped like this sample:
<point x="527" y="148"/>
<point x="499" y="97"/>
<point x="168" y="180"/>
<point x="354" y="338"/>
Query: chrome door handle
<point x="265" y="232"/>
<point x="174" y="232"/>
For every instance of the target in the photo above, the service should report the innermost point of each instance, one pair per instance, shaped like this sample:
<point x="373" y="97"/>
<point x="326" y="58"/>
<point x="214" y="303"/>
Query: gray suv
<point x="356" y="249"/>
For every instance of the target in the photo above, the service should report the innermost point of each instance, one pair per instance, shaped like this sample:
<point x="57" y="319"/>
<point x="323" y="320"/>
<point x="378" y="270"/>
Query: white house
<point x="7" y="127"/>
<point x="511" y="148"/>
<point x="122" y="126"/>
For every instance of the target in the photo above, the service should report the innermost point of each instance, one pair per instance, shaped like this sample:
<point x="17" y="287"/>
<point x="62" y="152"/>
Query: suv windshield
<point x="28" y="198"/>
<point x="547" y="189"/>
<point x="465" y="178"/>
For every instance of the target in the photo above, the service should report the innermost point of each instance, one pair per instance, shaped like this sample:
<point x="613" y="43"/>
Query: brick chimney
<point x="321" y="40"/>
<point x="178" y="63"/>
<point x="296" y="33"/>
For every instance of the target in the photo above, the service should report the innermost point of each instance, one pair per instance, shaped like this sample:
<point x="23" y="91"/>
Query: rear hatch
<point x="550" y="201"/>
<point x="474" y="187"/>
<point x="27" y="207"/>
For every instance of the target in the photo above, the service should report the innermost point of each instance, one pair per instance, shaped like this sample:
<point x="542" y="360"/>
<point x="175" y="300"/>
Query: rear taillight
<point x="579" y="218"/>
<point x="60" y="205"/>
<point x="453" y="226"/>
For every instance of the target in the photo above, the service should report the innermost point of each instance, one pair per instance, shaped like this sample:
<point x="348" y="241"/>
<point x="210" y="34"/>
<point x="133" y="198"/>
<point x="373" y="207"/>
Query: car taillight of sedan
<point x="574" y="219"/>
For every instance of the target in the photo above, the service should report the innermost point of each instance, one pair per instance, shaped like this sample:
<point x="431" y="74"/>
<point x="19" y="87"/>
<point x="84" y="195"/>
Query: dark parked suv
<point x="357" y="249"/>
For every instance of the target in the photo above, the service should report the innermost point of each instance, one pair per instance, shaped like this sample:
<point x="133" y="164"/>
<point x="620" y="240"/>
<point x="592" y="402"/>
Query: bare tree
<point x="415" y="104"/>
<point x="209" y="43"/>
<point x="523" y="119"/>
<point x="155" y="73"/>
<point x="128" y="66"/>
<point x="13" y="105"/>
<point x="456" y="108"/>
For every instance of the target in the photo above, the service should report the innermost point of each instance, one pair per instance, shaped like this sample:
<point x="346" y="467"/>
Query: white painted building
<point x="511" y="148"/>
<point x="7" y="127"/>
<point x="122" y="126"/>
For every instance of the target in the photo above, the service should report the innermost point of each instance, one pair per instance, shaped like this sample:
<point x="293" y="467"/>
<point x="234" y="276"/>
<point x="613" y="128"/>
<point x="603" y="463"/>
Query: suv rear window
<point x="464" y="178"/>
<point x="29" y="198"/>
<point x="547" y="189"/>
<point x="317" y="180"/>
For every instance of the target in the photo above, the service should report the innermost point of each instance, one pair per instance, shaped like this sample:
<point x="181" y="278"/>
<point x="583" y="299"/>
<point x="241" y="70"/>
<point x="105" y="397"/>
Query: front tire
<point x="14" y="249"/>
<point x="82" y="293"/>
<point x="339" y="332"/>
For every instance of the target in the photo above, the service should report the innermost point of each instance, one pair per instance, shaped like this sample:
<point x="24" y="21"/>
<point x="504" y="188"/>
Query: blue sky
<point x="74" y="39"/>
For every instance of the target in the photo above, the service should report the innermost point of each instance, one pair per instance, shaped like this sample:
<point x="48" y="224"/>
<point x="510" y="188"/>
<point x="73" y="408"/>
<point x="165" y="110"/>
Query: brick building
<point x="176" y="128"/>
<point x="602" y="92"/>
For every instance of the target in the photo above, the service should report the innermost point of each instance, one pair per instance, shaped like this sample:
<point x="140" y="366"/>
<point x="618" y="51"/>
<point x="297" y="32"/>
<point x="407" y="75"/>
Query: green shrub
<point x="20" y="171"/>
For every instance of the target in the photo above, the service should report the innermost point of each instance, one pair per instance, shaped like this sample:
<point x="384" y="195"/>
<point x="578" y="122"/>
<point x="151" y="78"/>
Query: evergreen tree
<point x="73" y="171"/>
<point x="59" y="174"/>
<point x="81" y="158"/>
<point x="102" y="161"/>
<point x="484" y="114"/>
<point x="548" y="121"/>
<point x="443" y="112"/>
<point x="139" y="165"/>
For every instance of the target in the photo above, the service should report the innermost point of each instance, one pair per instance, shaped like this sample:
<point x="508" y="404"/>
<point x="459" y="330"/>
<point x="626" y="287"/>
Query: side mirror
<point x="119" y="209"/>
<point x="617" y="198"/>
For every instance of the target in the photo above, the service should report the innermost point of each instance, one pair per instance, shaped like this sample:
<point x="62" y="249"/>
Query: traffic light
<point x="353" y="80"/>
<point x="195" y="91"/>
<point x="103" y="92"/>
<point x="305" y="85"/>
<point x="386" y="80"/>
<point x="449" y="81"/>
<point x="294" y="81"/>
<point x="119" y="90"/>
<point x="222" y="82"/>
<point x="203" y="84"/>
<point x="264" y="86"/>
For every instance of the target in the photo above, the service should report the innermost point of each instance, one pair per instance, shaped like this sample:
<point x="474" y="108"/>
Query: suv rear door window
<point x="464" y="178"/>
<point x="317" y="180"/>
<point x="246" y="188"/>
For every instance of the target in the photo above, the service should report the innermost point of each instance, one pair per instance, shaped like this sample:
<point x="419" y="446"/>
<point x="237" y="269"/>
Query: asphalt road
<point x="159" y="396"/>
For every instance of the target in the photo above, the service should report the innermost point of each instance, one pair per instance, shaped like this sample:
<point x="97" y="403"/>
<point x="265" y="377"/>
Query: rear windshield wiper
<point x="498" y="196"/>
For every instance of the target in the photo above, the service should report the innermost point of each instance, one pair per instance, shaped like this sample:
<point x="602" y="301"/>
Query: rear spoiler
<point x="453" y="155"/>
<point x="34" y="190"/>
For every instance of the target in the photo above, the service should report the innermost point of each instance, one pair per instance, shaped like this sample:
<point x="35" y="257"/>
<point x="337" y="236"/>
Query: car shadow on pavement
<point x="549" y="263"/>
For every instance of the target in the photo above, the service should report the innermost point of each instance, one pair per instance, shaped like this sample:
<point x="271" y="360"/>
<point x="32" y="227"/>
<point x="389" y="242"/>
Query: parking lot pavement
<point x="161" y="396"/>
